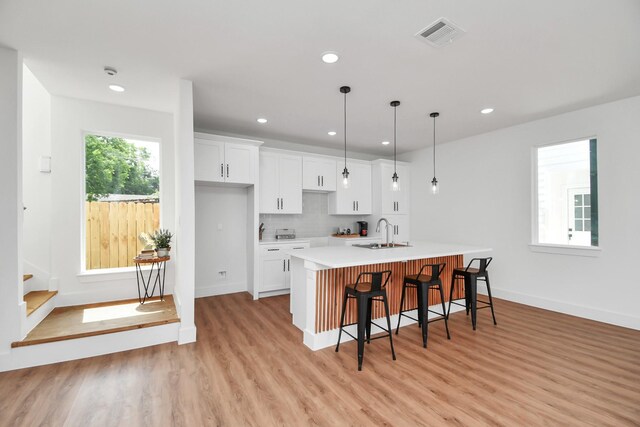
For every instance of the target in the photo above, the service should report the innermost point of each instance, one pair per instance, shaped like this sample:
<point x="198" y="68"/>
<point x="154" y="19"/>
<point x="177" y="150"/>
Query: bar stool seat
<point x="365" y="293"/>
<point x="471" y="276"/>
<point x="423" y="283"/>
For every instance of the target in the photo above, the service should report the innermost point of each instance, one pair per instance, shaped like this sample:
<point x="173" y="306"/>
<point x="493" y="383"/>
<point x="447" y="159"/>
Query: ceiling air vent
<point x="440" y="33"/>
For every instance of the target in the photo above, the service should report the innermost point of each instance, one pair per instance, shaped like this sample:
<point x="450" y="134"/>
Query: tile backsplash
<point x="314" y="220"/>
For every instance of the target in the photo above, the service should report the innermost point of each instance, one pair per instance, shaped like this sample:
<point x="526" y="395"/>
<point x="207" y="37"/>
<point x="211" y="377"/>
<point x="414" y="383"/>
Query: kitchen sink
<point x="384" y="245"/>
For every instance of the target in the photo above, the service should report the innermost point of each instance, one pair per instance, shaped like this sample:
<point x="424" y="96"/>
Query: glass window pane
<point x="578" y="213"/>
<point x="578" y="225"/>
<point x="577" y="200"/>
<point x="587" y="212"/>
<point x="587" y="199"/>
<point x="587" y="225"/>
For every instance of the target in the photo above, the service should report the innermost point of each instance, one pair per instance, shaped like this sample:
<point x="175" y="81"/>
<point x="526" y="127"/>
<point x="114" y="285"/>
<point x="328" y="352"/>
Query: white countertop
<point x="349" y="256"/>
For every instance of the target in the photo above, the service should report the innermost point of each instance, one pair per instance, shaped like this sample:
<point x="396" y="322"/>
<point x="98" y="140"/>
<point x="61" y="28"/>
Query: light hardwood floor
<point x="249" y="367"/>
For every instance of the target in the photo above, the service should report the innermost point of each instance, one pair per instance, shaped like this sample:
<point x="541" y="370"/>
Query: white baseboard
<point x="330" y="338"/>
<point x="592" y="313"/>
<point x="267" y="294"/>
<point x="187" y="334"/>
<point x="212" y="290"/>
<point x="80" y="348"/>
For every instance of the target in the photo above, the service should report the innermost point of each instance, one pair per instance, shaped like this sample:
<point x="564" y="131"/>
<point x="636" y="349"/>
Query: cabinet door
<point x="273" y="274"/>
<point x="401" y="197"/>
<point x="387" y="196"/>
<point x="361" y="188"/>
<point x="290" y="183"/>
<point x="239" y="162"/>
<point x="269" y="195"/>
<point x="208" y="160"/>
<point x="311" y="173"/>
<point x="342" y="202"/>
<point x="401" y="231"/>
<point x="327" y="172"/>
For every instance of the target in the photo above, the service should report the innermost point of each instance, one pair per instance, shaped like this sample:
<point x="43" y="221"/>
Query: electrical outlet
<point x="223" y="274"/>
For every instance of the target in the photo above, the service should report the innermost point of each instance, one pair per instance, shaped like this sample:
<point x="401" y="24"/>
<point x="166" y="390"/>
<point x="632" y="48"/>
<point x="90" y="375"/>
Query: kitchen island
<point x="319" y="275"/>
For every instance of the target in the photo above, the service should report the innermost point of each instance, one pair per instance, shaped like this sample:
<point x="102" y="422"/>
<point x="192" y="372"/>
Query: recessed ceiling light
<point x="486" y="110"/>
<point x="330" y="57"/>
<point x="116" y="88"/>
<point x="332" y="133"/>
<point x="385" y="142"/>
<point x="262" y="120"/>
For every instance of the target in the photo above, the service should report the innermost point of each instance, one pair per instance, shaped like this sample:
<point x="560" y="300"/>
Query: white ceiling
<point x="251" y="58"/>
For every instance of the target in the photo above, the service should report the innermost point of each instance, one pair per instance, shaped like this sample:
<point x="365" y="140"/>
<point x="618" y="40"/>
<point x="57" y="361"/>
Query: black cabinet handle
<point x="227" y="170"/>
<point x="284" y="265"/>
<point x="318" y="180"/>
<point x="288" y="265"/>
<point x="221" y="170"/>
<point x="322" y="178"/>
<point x="357" y="206"/>
<point x="273" y="249"/>
<point x="281" y="203"/>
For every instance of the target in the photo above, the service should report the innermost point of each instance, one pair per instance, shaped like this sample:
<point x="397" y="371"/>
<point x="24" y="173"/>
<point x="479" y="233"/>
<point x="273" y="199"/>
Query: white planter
<point x="162" y="252"/>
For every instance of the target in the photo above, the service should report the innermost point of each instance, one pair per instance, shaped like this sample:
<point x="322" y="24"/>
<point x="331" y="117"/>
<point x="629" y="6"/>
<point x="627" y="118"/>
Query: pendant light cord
<point x="345" y="130"/>
<point x="395" y="111"/>
<point x="434" y="147"/>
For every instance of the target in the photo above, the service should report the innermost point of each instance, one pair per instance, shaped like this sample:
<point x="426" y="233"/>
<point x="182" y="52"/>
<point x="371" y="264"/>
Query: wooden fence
<point x="112" y="230"/>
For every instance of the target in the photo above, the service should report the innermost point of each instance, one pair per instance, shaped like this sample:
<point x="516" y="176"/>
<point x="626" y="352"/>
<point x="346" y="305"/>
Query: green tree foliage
<point x="116" y="166"/>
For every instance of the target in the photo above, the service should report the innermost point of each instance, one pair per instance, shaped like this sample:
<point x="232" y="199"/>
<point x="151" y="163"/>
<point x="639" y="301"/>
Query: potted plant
<point x="162" y="241"/>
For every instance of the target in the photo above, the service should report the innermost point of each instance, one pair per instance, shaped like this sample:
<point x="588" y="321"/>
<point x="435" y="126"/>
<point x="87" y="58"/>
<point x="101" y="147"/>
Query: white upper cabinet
<point x="386" y="201"/>
<point x="280" y="183"/>
<point x="355" y="200"/>
<point x="318" y="173"/>
<point x="225" y="159"/>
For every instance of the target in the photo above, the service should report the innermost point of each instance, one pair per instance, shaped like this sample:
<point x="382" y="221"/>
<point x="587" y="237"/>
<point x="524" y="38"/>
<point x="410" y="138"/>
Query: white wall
<point x="221" y="240"/>
<point x="70" y="119"/>
<point x="36" y="185"/>
<point x="11" y="305"/>
<point x="485" y="199"/>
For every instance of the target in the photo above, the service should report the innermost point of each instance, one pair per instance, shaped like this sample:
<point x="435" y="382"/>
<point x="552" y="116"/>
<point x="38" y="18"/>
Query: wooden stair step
<point x="35" y="299"/>
<point x="80" y="321"/>
<point x="26" y="277"/>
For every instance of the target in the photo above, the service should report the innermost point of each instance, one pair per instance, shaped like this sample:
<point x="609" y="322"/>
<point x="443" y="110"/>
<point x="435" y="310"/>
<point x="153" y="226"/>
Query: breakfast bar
<point x="319" y="276"/>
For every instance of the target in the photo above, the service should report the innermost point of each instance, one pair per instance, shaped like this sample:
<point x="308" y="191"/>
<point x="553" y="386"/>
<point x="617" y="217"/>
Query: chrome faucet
<point x="386" y="231"/>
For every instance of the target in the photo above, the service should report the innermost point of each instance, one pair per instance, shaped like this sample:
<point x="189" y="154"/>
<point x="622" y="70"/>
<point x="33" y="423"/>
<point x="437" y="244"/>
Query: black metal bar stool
<point x="423" y="283"/>
<point x="471" y="275"/>
<point x="365" y="294"/>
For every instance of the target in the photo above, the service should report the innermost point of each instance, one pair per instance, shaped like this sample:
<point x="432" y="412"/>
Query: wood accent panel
<point x="36" y="299"/>
<point x="330" y="286"/>
<point x="80" y="321"/>
<point x="249" y="368"/>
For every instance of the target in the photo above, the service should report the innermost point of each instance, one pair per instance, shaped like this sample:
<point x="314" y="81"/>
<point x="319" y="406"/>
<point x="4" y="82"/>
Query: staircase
<point x="39" y="304"/>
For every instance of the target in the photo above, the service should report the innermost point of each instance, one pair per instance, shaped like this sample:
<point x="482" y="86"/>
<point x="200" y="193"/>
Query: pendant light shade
<point x="345" y="173"/>
<point x="395" y="185"/>
<point x="434" y="182"/>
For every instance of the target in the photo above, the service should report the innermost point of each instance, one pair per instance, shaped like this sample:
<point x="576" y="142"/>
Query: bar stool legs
<point x="471" y="276"/>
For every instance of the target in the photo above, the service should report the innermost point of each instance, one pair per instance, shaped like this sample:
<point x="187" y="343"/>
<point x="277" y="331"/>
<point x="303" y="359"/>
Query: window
<point x="566" y="182"/>
<point x="122" y="184"/>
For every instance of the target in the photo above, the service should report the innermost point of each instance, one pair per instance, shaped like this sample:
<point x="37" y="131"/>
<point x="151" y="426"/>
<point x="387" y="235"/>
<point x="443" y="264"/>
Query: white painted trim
<point x="60" y="351"/>
<point x="591" y="313"/>
<point x="187" y="335"/>
<point x="330" y="338"/>
<point x="38" y="316"/>
<point x="588" y="251"/>
<point x="212" y="290"/>
<point x="266" y="294"/>
<point x="222" y="138"/>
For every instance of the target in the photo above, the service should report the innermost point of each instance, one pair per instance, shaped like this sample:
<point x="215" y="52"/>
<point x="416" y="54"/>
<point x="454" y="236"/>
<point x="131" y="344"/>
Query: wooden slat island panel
<point x="331" y="283"/>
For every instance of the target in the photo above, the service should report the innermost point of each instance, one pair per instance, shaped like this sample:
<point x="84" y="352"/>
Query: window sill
<point x="586" y="251"/>
<point x="108" y="274"/>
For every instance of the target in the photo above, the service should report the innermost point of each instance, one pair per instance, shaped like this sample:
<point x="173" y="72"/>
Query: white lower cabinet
<point x="275" y="265"/>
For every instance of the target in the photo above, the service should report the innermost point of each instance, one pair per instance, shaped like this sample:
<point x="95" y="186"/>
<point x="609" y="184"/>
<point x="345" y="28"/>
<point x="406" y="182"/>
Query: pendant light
<point x="345" y="173"/>
<point x="395" y="186"/>
<point x="434" y="181"/>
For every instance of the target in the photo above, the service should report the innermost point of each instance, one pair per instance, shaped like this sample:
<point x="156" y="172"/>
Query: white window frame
<point x="549" y="248"/>
<point x="102" y="274"/>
